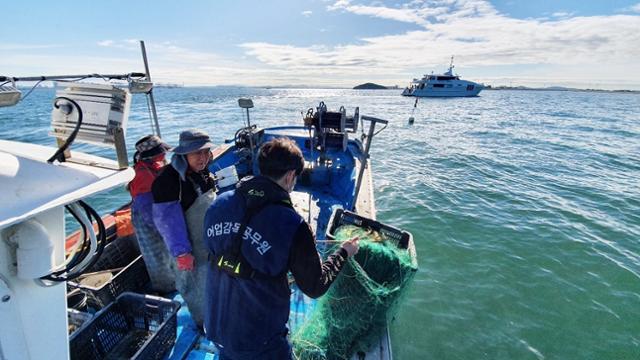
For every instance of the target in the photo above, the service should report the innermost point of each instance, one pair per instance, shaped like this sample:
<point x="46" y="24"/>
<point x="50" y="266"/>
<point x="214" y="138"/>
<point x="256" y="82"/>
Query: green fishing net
<point x="353" y="314"/>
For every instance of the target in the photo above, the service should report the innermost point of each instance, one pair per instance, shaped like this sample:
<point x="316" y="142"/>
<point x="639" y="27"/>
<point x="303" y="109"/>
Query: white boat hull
<point x="442" y="85"/>
<point x="444" y="92"/>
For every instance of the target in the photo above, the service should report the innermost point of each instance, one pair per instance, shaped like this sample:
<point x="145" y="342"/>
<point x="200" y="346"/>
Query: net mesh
<point x="351" y="316"/>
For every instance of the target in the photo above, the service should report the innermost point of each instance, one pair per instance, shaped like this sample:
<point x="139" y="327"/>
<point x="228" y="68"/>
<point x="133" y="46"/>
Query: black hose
<point x="102" y="233"/>
<point x="101" y="242"/>
<point x="84" y="250"/>
<point x="59" y="154"/>
<point x="102" y="239"/>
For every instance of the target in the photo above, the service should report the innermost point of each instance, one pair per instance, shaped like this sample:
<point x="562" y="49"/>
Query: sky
<point x="328" y="43"/>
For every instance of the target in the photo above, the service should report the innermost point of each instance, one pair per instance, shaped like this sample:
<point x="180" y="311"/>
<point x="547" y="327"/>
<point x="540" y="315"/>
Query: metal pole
<point x="72" y="77"/>
<point x="151" y="100"/>
<point x="250" y="131"/>
<point x="248" y="121"/>
<point x="365" y="155"/>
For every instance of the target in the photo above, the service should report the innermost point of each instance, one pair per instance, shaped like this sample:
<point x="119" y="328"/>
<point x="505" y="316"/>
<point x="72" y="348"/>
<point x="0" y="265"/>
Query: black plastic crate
<point x="117" y="253"/>
<point x="135" y="326"/>
<point x="132" y="277"/>
<point x="344" y="217"/>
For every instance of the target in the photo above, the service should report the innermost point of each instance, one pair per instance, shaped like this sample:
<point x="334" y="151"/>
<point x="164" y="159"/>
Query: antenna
<point x="450" y="71"/>
<point x="152" y="102"/>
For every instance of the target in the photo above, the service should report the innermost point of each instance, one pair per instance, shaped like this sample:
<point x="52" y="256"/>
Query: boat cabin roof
<point x="31" y="185"/>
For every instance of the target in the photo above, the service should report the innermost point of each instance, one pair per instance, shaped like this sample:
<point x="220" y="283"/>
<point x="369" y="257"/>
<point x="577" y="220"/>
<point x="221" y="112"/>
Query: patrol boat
<point x="442" y="85"/>
<point x="41" y="268"/>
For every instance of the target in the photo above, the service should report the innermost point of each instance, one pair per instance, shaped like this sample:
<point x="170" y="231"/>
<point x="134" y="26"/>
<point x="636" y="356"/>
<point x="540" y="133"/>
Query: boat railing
<point x="365" y="155"/>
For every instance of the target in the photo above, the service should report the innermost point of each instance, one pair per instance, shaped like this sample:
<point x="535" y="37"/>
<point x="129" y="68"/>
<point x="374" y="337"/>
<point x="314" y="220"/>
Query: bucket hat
<point x="150" y="146"/>
<point x="192" y="140"/>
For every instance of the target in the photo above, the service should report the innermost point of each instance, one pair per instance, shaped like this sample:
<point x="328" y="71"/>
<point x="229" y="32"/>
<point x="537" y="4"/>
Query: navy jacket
<point x="246" y="315"/>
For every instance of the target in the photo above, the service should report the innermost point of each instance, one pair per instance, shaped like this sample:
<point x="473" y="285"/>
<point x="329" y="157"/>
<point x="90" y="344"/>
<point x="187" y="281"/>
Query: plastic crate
<point x="117" y="253"/>
<point x="344" y="217"/>
<point x="76" y="319"/>
<point x="132" y="277"/>
<point x="135" y="326"/>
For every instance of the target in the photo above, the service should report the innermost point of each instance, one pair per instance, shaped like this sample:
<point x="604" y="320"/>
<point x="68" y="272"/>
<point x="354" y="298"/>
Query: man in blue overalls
<point x="255" y="237"/>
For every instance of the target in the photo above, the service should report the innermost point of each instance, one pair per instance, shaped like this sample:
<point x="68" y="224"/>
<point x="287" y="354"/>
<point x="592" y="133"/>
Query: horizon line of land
<point x="380" y="87"/>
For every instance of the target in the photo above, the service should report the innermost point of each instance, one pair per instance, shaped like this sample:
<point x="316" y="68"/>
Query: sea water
<point x="524" y="206"/>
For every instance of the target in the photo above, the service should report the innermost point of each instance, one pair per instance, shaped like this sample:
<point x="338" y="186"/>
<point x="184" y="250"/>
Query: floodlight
<point x="140" y="86"/>
<point x="9" y="95"/>
<point x="105" y="110"/>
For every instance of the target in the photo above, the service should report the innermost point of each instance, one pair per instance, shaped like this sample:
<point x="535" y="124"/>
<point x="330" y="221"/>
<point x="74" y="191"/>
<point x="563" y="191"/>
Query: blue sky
<point x="329" y="43"/>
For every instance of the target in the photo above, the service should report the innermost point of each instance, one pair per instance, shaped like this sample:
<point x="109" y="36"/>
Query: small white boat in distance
<point x="442" y="85"/>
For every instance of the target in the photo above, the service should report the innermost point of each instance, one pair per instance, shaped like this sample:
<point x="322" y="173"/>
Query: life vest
<point x="146" y="173"/>
<point x="248" y="309"/>
<point x="231" y="260"/>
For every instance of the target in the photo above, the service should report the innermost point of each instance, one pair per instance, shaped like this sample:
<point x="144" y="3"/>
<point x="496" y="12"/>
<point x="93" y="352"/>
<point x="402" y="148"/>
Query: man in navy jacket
<point x="256" y="237"/>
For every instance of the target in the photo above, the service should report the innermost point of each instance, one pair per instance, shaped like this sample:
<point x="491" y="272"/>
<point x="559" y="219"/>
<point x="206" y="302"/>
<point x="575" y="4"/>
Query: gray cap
<point x="150" y="146"/>
<point x="192" y="140"/>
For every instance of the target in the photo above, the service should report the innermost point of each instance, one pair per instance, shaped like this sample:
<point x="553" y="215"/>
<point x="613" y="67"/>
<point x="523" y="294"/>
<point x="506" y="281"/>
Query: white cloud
<point x="488" y="46"/>
<point x="307" y="13"/>
<point x="407" y="13"/>
<point x="22" y="47"/>
<point x="128" y="44"/>
<point x="169" y="63"/>
<point x="106" y="43"/>
<point x="472" y="30"/>
<point x="633" y="8"/>
<point x="562" y="14"/>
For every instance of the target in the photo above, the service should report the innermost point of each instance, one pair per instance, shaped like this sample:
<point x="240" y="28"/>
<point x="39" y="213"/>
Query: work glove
<point x="185" y="262"/>
<point x="351" y="246"/>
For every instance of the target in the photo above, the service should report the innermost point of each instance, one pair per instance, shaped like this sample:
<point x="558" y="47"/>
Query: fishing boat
<point x="442" y="85"/>
<point x="40" y="267"/>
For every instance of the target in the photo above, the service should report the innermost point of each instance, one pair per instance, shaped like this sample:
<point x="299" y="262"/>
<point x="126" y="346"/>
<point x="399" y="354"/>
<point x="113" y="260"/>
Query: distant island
<point x="369" y="86"/>
<point x="167" y="85"/>
<point x="556" y="88"/>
